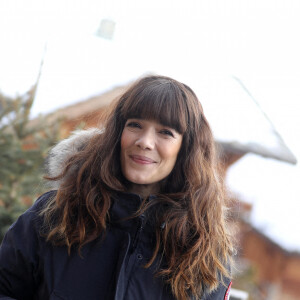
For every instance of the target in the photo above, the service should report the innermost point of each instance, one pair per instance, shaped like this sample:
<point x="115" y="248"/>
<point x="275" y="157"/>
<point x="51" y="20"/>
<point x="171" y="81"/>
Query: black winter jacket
<point x="110" y="267"/>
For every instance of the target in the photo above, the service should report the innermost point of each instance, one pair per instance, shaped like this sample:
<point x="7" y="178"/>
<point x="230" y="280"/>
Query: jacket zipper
<point x="138" y="231"/>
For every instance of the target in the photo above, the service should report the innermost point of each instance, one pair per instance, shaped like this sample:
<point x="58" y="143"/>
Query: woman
<point x="138" y="212"/>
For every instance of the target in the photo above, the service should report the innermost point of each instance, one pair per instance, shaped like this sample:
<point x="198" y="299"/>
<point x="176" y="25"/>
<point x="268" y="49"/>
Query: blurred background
<point x="63" y="62"/>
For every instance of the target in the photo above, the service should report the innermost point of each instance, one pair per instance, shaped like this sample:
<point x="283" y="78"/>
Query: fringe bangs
<point x="163" y="102"/>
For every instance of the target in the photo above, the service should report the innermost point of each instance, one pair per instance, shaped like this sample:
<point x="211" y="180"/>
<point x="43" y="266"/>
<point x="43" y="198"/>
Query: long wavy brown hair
<point x="195" y="242"/>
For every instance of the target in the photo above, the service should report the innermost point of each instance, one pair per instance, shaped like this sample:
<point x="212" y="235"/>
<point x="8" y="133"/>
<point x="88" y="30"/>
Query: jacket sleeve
<point x="19" y="257"/>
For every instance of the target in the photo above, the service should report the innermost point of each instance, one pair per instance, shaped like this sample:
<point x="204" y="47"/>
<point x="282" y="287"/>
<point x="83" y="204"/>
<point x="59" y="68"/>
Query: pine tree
<point x="23" y="147"/>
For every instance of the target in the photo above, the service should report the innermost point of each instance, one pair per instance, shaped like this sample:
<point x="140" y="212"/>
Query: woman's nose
<point x="146" y="140"/>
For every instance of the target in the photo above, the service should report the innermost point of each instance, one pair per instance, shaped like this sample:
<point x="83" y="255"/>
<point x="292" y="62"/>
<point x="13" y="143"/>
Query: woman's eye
<point x="167" y="132"/>
<point x="133" y="125"/>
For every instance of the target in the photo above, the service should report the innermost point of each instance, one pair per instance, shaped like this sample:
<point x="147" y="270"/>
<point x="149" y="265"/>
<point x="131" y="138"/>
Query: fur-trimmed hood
<point x="60" y="153"/>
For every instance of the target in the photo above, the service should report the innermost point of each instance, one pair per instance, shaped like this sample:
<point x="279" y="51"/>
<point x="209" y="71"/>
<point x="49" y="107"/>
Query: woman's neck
<point x="144" y="190"/>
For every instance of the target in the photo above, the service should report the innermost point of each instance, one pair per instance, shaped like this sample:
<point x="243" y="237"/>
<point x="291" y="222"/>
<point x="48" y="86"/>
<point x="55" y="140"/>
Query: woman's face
<point x="148" y="152"/>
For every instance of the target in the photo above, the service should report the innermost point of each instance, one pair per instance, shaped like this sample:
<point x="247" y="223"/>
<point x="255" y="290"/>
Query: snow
<point x="272" y="187"/>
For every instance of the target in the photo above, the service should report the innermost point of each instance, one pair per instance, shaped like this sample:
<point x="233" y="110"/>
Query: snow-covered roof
<point x="237" y="121"/>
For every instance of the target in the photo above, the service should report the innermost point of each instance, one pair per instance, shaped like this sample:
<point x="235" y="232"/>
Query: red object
<point x="228" y="292"/>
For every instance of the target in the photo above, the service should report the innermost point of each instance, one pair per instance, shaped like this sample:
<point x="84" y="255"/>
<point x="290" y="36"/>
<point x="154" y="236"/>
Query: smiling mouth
<point x="143" y="160"/>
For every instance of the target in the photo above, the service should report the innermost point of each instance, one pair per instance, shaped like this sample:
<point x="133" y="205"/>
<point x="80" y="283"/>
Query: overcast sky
<point x="256" y="41"/>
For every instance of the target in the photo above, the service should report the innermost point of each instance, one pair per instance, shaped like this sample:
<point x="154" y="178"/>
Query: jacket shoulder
<point x="19" y="252"/>
<point x="32" y="214"/>
<point x="42" y="201"/>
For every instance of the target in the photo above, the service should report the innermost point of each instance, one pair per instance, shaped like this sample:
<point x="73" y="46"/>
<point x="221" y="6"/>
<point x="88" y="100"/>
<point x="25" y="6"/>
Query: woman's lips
<point x="142" y="159"/>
